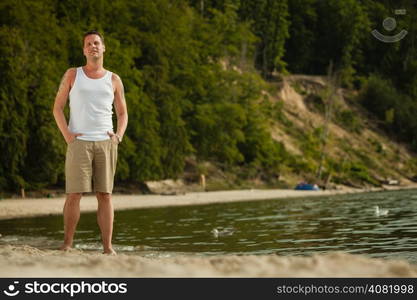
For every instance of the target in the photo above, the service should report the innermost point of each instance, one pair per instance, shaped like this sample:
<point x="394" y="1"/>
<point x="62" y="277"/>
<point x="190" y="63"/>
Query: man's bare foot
<point x="65" y="247"/>
<point x="109" y="252"/>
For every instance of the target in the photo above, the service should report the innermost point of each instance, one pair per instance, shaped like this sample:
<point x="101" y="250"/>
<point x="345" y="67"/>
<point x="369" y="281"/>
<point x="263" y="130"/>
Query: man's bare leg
<point x="71" y="217"/>
<point x="105" y="216"/>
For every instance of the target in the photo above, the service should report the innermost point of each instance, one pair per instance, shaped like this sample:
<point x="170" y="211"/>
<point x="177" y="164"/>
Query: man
<point x="91" y="142"/>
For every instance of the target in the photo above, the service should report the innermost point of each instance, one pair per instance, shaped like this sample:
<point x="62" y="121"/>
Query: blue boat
<point x="307" y="187"/>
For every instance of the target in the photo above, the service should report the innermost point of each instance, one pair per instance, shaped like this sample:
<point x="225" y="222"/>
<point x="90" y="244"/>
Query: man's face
<point x="93" y="46"/>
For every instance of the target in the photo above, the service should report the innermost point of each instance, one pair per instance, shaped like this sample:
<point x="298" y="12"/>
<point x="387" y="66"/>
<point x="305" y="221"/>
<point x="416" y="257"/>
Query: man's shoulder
<point x="70" y="75"/>
<point x="72" y="69"/>
<point x="71" y="72"/>
<point x="117" y="81"/>
<point x="116" y="77"/>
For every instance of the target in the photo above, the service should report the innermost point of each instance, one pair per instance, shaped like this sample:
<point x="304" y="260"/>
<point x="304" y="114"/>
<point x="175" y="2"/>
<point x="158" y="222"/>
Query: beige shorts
<point x="90" y="162"/>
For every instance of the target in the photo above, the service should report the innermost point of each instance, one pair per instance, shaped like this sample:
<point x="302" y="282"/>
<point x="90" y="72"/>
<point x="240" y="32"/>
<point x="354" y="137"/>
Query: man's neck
<point x="94" y="66"/>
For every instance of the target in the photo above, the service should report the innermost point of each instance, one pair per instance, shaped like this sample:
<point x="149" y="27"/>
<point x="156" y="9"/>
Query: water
<point x="299" y="226"/>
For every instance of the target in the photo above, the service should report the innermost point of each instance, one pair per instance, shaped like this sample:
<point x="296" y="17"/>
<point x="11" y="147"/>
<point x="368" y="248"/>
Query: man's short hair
<point x="93" y="32"/>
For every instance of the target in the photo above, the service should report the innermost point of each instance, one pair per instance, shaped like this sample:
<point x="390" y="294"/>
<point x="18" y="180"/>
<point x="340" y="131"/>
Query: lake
<point x="298" y="226"/>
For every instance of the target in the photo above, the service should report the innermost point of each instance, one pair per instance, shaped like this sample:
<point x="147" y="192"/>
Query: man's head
<point x="93" y="46"/>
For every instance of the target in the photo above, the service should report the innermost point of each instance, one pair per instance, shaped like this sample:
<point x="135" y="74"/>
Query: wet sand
<point x="25" y="261"/>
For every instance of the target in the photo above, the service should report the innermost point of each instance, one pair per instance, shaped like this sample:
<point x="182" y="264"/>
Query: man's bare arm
<point x="120" y="106"/>
<point x="59" y="105"/>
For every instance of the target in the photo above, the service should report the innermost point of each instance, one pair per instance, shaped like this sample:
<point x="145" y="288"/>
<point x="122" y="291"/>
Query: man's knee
<point x="74" y="197"/>
<point x="103" y="196"/>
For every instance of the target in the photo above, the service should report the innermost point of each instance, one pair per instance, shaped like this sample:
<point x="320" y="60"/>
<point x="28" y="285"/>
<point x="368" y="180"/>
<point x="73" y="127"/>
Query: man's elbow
<point x="122" y="115"/>
<point x="57" y="109"/>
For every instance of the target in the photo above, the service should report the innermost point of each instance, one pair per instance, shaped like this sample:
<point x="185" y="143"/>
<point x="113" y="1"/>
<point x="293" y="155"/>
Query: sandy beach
<point x="26" y="261"/>
<point x="31" y="207"/>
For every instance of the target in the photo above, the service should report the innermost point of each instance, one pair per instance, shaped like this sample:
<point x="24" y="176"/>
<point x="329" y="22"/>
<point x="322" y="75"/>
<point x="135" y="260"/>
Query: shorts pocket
<point x="73" y="141"/>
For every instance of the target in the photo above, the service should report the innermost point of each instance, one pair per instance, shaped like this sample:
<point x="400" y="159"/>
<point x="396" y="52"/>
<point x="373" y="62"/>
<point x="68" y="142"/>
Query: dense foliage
<point x="181" y="63"/>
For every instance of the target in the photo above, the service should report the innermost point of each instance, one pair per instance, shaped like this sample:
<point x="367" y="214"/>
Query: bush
<point x="357" y="170"/>
<point x="378" y="96"/>
<point x="349" y="120"/>
<point x="395" y="110"/>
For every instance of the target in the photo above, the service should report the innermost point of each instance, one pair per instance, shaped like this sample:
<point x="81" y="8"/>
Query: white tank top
<point x="91" y="106"/>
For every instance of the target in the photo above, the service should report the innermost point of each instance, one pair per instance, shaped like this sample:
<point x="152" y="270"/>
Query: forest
<point x="194" y="73"/>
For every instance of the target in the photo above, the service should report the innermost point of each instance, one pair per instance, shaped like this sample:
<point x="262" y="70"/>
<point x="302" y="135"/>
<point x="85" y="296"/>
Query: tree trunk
<point x="332" y="79"/>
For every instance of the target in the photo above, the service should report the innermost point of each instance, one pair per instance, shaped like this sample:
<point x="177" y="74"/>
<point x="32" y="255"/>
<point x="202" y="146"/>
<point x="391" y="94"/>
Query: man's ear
<point x="104" y="48"/>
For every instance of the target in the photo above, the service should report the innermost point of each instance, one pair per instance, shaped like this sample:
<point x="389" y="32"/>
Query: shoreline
<point x="35" y="207"/>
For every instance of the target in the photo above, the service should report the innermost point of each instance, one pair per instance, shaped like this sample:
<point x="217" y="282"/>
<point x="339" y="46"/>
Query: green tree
<point x="270" y="24"/>
<point x="299" y="47"/>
